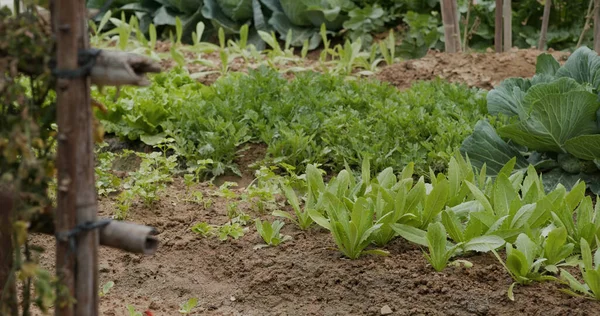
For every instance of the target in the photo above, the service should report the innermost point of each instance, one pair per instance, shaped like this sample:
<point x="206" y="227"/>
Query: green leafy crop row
<point x="313" y="118"/>
<point x="455" y="214"/>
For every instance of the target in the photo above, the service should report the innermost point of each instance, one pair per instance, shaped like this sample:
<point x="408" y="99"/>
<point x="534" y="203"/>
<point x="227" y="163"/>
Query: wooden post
<point x="498" y="27"/>
<point x="507" y="14"/>
<point x="451" y="30"/>
<point x="76" y="268"/>
<point x="545" y="21"/>
<point x="8" y="289"/>
<point x="597" y="26"/>
<point x="456" y="25"/>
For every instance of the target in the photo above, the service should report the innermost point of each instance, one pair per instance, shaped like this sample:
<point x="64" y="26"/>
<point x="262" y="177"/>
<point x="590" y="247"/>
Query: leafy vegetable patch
<point x="552" y="122"/>
<point x="314" y="118"/>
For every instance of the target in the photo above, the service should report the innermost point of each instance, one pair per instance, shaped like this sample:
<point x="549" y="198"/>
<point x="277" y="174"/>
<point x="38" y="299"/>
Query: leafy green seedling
<point x="556" y="249"/>
<point x="106" y="288"/>
<point x="270" y="232"/>
<point x="586" y="222"/>
<point x="233" y="230"/>
<point x="351" y="224"/>
<point x="204" y="229"/>
<point x="590" y="270"/>
<point x="186" y="308"/>
<point x="439" y="253"/>
<point x="132" y="311"/>
<point x="523" y="263"/>
<point x="303" y="219"/>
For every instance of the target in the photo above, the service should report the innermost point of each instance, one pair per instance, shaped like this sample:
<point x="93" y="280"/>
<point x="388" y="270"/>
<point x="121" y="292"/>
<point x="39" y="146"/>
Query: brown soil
<point x="304" y="276"/>
<point x="307" y="276"/>
<point x="483" y="70"/>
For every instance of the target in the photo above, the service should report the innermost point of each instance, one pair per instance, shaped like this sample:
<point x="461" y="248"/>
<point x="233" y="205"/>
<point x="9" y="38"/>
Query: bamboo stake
<point x="456" y="25"/>
<point x="498" y="27"/>
<point x="586" y="25"/>
<point x="597" y="26"/>
<point x="507" y="14"/>
<point x="120" y="235"/>
<point x="466" y="32"/>
<point x="451" y="34"/>
<point x="545" y="21"/>
<point x="78" y="271"/>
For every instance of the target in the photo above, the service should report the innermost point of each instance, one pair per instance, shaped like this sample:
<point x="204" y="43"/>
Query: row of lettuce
<point x="456" y="214"/>
<point x="355" y="19"/>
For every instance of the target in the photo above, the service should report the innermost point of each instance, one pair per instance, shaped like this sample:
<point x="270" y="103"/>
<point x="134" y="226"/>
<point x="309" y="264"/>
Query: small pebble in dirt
<point x="232" y="299"/>
<point x="386" y="310"/>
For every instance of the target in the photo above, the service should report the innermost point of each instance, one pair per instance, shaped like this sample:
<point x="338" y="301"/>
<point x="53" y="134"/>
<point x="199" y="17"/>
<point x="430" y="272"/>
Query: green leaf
<point x="436" y="242"/>
<point x="546" y="64"/>
<point x="484" y="146"/>
<point x="480" y="196"/>
<point x="190" y="304"/>
<point x="556" y="248"/>
<point x="585" y="147"/>
<point x="504" y="194"/>
<point x="584" y="66"/>
<point x="528" y="248"/>
<point x="553" y="120"/>
<point x="453" y="226"/>
<point x="507" y="98"/>
<point x="557" y="87"/>
<point x="483" y="243"/>
<point x="282" y="25"/>
<point x="435" y="202"/>
<point x="410" y="233"/>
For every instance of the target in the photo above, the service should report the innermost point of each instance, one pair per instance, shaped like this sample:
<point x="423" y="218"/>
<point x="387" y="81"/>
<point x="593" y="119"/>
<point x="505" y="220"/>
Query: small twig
<point x="586" y="26"/>
<point x="466" y="32"/>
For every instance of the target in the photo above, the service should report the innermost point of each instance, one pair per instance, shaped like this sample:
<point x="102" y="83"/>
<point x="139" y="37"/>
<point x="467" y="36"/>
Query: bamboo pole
<point x="545" y="21"/>
<point x="507" y="14"/>
<point x="451" y="30"/>
<point x="586" y="25"/>
<point x="120" y="235"/>
<point x="456" y="25"/>
<point x="597" y="26"/>
<point x="498" y="27"/>
<point x="466" y="31"/>
<point x="77" y="268"/>
<point x="8" y="289"/>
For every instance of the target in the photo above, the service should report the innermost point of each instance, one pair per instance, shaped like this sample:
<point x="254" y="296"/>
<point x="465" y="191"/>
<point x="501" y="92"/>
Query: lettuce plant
<point x="552" y="118"/>
<point x="524" y="262"/>
<point x="270" y="232"/>
<point x="439" y="254"/>
<point x="351" y="223"/>
<point x="590" y="270"/>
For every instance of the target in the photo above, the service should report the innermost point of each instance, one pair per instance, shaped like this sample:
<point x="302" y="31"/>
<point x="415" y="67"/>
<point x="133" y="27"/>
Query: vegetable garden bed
<point x="306" y="275"/>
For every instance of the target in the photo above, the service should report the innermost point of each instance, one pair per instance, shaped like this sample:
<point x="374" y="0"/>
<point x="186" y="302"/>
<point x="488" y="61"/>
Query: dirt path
<point x="483" y="70"/>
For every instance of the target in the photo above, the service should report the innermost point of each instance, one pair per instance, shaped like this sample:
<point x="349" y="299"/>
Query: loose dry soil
<point x="307" y="276"/>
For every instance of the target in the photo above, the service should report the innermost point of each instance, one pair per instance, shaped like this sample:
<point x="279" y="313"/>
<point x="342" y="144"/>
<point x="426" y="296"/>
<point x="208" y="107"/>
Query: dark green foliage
<point x="313" y="118"/>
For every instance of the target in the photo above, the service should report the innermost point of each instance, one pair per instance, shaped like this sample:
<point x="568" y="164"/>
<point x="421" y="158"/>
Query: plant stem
<point x="586" y="26"/>
<point x="466" y="31"/>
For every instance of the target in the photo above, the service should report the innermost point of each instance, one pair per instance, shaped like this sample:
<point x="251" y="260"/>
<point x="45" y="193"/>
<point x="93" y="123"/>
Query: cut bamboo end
<point x="130" y="237"/>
